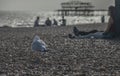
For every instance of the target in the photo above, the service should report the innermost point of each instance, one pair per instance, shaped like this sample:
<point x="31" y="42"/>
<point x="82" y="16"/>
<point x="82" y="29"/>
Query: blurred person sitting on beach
<point x="55" y="23"/>
<point x="48" y="22"/>
<point x="108" y="33"/>
<point x="36" y="23"/>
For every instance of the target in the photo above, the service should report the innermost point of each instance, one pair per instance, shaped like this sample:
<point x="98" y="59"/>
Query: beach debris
<point x="38" y="44"/>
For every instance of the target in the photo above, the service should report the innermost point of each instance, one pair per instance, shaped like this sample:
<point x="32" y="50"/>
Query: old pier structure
<point x="78" y="8"/>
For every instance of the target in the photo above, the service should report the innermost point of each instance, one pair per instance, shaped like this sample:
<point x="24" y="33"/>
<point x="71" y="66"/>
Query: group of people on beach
<point x="48" y="22"/>
<point x="107" y="34"/>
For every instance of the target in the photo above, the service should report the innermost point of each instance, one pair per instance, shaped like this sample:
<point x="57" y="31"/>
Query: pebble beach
<point x="65" y="56"/>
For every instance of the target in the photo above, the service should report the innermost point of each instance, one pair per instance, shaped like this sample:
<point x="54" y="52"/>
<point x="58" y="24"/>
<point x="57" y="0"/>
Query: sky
<point x="45" y="5"/>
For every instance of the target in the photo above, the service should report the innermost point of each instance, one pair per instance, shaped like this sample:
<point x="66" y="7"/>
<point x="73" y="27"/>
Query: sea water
<point x="26" y="19"/>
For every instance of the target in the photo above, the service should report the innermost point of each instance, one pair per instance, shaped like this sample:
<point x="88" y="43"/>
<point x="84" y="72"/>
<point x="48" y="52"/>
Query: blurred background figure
<point x="103" y="19"/>
<point x="48" y="22"/>
<point x="36" y="23"/>
<point x="63" y="21"/>
<point x="55" y="23"/>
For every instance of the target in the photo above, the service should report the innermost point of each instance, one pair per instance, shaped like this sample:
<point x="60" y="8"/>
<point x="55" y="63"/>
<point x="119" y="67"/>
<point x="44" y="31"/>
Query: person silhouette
<point x="103" y="19"/>
<point x="63" y="21"/>
<point x="36" y="23"/>
<point x="48" y="22"/>
<point x="55" y="22"/>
